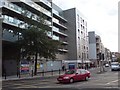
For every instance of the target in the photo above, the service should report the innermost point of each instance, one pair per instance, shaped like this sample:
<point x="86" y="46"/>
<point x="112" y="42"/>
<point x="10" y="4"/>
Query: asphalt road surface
<point x="109" y="80"/>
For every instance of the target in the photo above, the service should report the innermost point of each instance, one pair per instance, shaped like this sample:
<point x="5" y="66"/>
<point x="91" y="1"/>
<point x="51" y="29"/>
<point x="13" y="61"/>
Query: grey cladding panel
<point x="92" y="37"/>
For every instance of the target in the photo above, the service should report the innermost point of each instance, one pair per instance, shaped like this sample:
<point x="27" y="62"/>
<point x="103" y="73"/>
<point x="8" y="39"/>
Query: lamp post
<point x="103" y="62"/>
<point x="1" y="20"/>
<point x="100" y="63"/>
<point x="82" y="61"/>
<point x="20" y="51"/>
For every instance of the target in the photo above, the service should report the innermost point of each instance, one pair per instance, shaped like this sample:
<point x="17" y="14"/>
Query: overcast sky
<point x="102" y="17"/>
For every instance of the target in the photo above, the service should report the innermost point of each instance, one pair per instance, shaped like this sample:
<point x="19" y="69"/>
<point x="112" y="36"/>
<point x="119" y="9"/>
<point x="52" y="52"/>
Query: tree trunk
<point x="35" y="72"/>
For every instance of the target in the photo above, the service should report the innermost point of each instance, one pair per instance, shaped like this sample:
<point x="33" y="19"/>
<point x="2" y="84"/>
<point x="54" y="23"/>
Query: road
<point x="107" y="80"/>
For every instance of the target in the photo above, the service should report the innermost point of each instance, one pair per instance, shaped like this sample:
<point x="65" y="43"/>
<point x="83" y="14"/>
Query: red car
<point x="74" y="75"/>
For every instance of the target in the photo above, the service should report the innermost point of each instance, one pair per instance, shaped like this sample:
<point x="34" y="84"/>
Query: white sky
<point x="102" y="17"/>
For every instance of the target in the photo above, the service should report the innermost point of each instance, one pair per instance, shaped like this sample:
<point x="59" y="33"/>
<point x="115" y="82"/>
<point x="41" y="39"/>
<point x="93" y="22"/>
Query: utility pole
<point x="103" y="62"/>
<point x="100" y="62"/>
<point x="1" y="20"/>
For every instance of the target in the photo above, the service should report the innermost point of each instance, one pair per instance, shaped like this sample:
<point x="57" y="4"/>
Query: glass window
<point x="11" y="5"/>
<point x="70" y="72"/>
<point x="78" y="25"/>
<point x="83" y="71"/>
<point x="78" y="71"/>
<point x="55" y="20"/>
<point x="56" y="12"/>
<point x="55" y="29"/>
<point x="11" y="19"/>
<point x="55" y="37"/>
<point x="6" y="18"/>
<point x="77" y="17"/>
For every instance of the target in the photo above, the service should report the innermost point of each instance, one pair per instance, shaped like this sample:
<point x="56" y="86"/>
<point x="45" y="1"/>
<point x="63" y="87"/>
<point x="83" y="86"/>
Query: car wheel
<point x="86" y="78"/>
<point x="71" y="80"/>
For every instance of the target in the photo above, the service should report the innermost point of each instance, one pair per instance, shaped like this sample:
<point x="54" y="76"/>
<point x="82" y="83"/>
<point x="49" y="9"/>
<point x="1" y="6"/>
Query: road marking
<point x="112" y="82"/>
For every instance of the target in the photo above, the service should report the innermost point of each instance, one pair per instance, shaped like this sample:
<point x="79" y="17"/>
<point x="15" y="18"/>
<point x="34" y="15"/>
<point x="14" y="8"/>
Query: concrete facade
<point x="67" y="26"/>
<point x="95" y="48"/>
<point x="77" y="35"/>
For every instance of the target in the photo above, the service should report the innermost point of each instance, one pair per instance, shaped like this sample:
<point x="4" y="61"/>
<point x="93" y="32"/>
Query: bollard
<point x="32" y="73"/>
<point x="59" y="71"/>
<point x="43" y="73"/>
<point x="19" y="74"/>
<point x="5" y="75"/>
<point x="52" y="72"/>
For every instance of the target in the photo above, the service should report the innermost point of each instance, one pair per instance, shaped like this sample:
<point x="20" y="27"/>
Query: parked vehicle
<point x="73" y="75"/>
<point x="106" y="65"/>
<point x="115" y="66"/>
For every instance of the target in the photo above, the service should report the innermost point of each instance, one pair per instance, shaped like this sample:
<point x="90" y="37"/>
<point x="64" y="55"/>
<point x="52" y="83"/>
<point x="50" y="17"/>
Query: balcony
<point x="9" y="36"/>
<point x="60" y="33"/>
<point x="44" y="3"/>
<point x="59" y="17"/>
<point x="11" y="9"/>
<point x="17" y="12"/>
<point x="64" y="42"/>
<point x="37" y="7"/>
<point x="63" y="50"/>
<point x="9" y="24"/>
<point x="59" y="25"/>
<point x="55" y="37"/>
<point x="33" y="7"/>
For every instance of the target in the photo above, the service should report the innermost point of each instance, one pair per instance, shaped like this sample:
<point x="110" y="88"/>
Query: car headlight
<point x="66" y="77"/>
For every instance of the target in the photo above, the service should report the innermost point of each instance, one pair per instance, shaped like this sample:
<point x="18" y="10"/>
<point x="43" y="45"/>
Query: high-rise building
<point x="13" y="14"/>
<point x="60" y="29"/>
<point x="95" y="47"/>
<point x="77" y="35"/>
<point x="67" y="26"/>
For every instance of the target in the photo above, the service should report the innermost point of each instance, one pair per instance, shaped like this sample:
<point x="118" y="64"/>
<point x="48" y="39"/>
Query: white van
<point x="115" y="66"/>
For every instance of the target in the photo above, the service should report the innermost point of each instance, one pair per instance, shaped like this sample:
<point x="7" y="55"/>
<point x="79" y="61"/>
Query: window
<point x="70" y="72"/>
<point x="78" y="25"/>
<point x="84" y="47"/>
<point x="83" y="21"/>
<point x="11" y="19"/>
<point x="81" y="26"/>
<point x="78" y="71"/>
<point x="78" y="17"/>
<point x="81" y="32"/>
<point x="83" y="71"/>
<point x="86" y="24"/>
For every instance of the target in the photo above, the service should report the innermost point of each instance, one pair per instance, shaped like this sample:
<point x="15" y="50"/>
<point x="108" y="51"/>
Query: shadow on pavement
<point x="65" y="89"/>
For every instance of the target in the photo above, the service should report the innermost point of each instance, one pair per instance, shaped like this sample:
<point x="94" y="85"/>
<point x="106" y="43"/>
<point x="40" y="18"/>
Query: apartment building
<point x="95" y="46"/>
<point x="108" y="55"/>
<point x="60" y="30"/>
<point x="72" y="33"/>
<point x="13" y="13"/>
<point x="77" y="34"/>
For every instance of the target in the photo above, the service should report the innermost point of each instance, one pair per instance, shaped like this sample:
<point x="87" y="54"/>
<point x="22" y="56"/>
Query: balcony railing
<point x="46" y="2"/>
<point x="37" y="7"/>
<point x="63" y="50"/>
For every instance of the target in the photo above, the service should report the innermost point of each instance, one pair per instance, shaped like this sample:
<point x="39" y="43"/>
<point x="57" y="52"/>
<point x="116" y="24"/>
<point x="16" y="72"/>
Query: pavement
<point x="29" y="76"/>
<point x="98" y="81"/>
<point x="40" y="75"/>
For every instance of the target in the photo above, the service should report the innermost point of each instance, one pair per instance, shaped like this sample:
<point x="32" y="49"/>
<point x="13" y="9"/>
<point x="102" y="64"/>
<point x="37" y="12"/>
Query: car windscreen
<point x="114" y="64"/>
<point x="70" y="72"/>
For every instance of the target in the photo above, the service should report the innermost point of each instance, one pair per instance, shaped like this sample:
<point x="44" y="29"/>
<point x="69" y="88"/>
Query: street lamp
<point x="20" y="52"/>
<point x="100" y="63"/>
<point x="82" y="60"/>
<point x="1" y="20"/>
